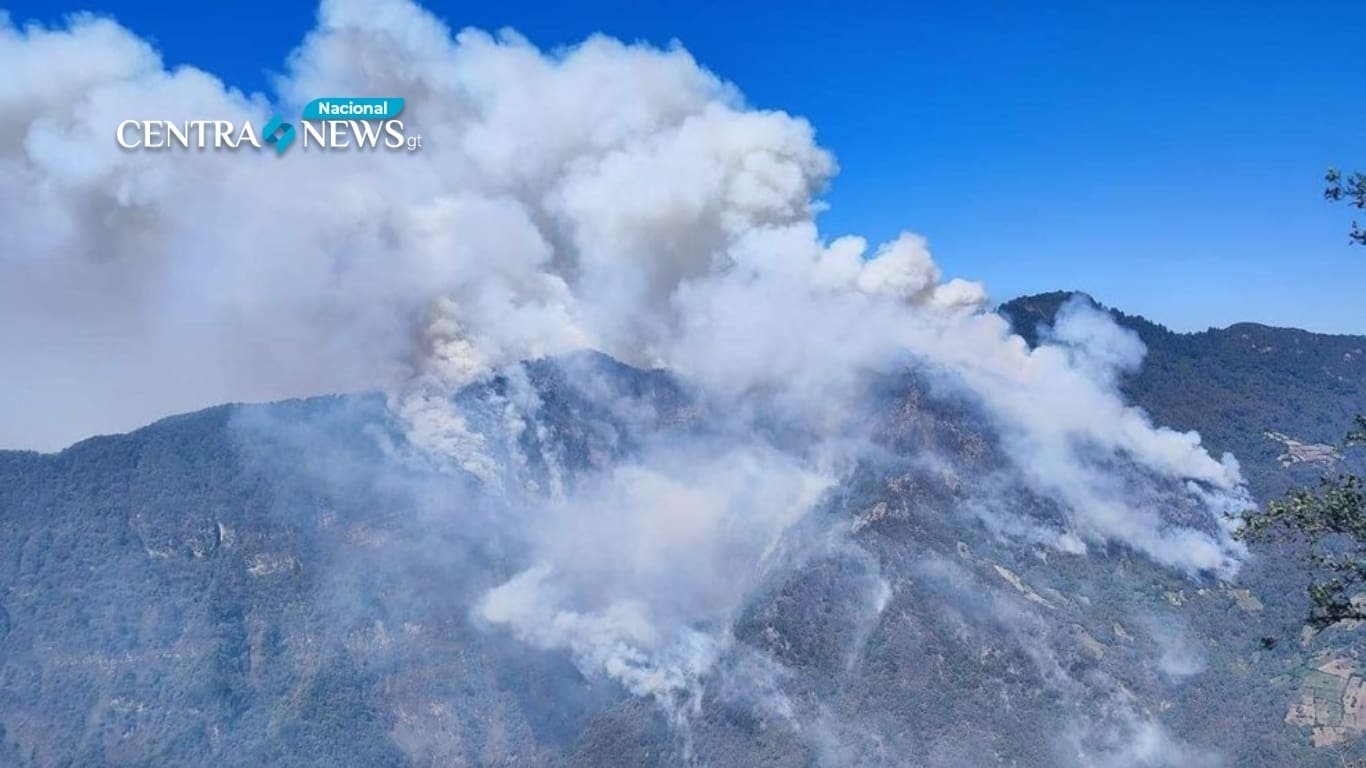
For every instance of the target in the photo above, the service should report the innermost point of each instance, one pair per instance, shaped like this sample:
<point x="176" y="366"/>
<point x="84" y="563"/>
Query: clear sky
<point x="1165" y="156"/>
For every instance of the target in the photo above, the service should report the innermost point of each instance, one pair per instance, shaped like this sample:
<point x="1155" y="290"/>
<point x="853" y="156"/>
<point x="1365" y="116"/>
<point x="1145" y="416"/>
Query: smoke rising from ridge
<point x="610" y="197"/>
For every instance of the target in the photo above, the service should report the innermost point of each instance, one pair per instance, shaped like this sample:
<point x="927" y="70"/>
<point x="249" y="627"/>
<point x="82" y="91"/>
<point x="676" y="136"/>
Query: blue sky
<point x="1163" y="157"/>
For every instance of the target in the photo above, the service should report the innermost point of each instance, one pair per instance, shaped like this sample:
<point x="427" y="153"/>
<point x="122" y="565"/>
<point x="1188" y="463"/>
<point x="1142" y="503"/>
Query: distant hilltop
<point x="1285" y="396"/>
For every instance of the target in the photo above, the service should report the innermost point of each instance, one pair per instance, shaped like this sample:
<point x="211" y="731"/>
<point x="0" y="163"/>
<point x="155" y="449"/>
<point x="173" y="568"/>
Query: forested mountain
<point x="285" y="585"/>
<point x="1248" y="388"/>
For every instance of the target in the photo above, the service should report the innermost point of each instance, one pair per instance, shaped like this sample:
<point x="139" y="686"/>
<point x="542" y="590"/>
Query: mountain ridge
<point x="271" y="584"/>
<point x="1304" y="384"/>
<point x="1027" y="314"/>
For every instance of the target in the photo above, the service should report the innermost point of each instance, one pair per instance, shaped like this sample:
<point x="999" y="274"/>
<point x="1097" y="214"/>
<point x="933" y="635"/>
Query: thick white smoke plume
<point x="611" y="197"/>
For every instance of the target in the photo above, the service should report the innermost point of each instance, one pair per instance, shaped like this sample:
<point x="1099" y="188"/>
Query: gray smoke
<point x="607" y="197"/>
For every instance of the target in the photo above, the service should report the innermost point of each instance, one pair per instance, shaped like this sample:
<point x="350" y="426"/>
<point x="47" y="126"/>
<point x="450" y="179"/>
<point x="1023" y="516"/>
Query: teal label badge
<point x="343" y="108"/>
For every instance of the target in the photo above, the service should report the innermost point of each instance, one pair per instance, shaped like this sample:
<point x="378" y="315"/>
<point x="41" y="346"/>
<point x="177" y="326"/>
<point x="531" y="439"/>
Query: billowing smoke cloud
<point x="610" y="197"/>
<point x="690" y="519"/>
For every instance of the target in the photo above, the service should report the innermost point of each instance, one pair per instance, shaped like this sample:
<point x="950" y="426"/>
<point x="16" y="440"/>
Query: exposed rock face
<point x="1020" y="586"/>
<point x="1246" y="600"/>
<point x="1298" y="452"/>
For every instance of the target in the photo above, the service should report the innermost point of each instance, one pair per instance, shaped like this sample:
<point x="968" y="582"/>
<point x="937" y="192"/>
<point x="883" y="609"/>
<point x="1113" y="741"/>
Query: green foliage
<point x="1358" y="435"/>
<point x="1353" y="191"/>
<point x="1330" y="523"/>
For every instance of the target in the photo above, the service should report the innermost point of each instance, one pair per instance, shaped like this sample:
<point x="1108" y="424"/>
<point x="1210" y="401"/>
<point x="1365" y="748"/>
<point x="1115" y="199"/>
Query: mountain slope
<point x="286" y="585"/>
<point x="1235" y="385"/>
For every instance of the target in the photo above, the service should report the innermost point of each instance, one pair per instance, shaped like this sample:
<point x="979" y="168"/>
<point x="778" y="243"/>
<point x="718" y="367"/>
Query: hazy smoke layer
<point x="609" y="197"/>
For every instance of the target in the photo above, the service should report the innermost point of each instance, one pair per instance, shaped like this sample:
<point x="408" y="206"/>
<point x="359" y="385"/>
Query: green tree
<point x="1329" y="522"/>
<point x="1353" y="190"/>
